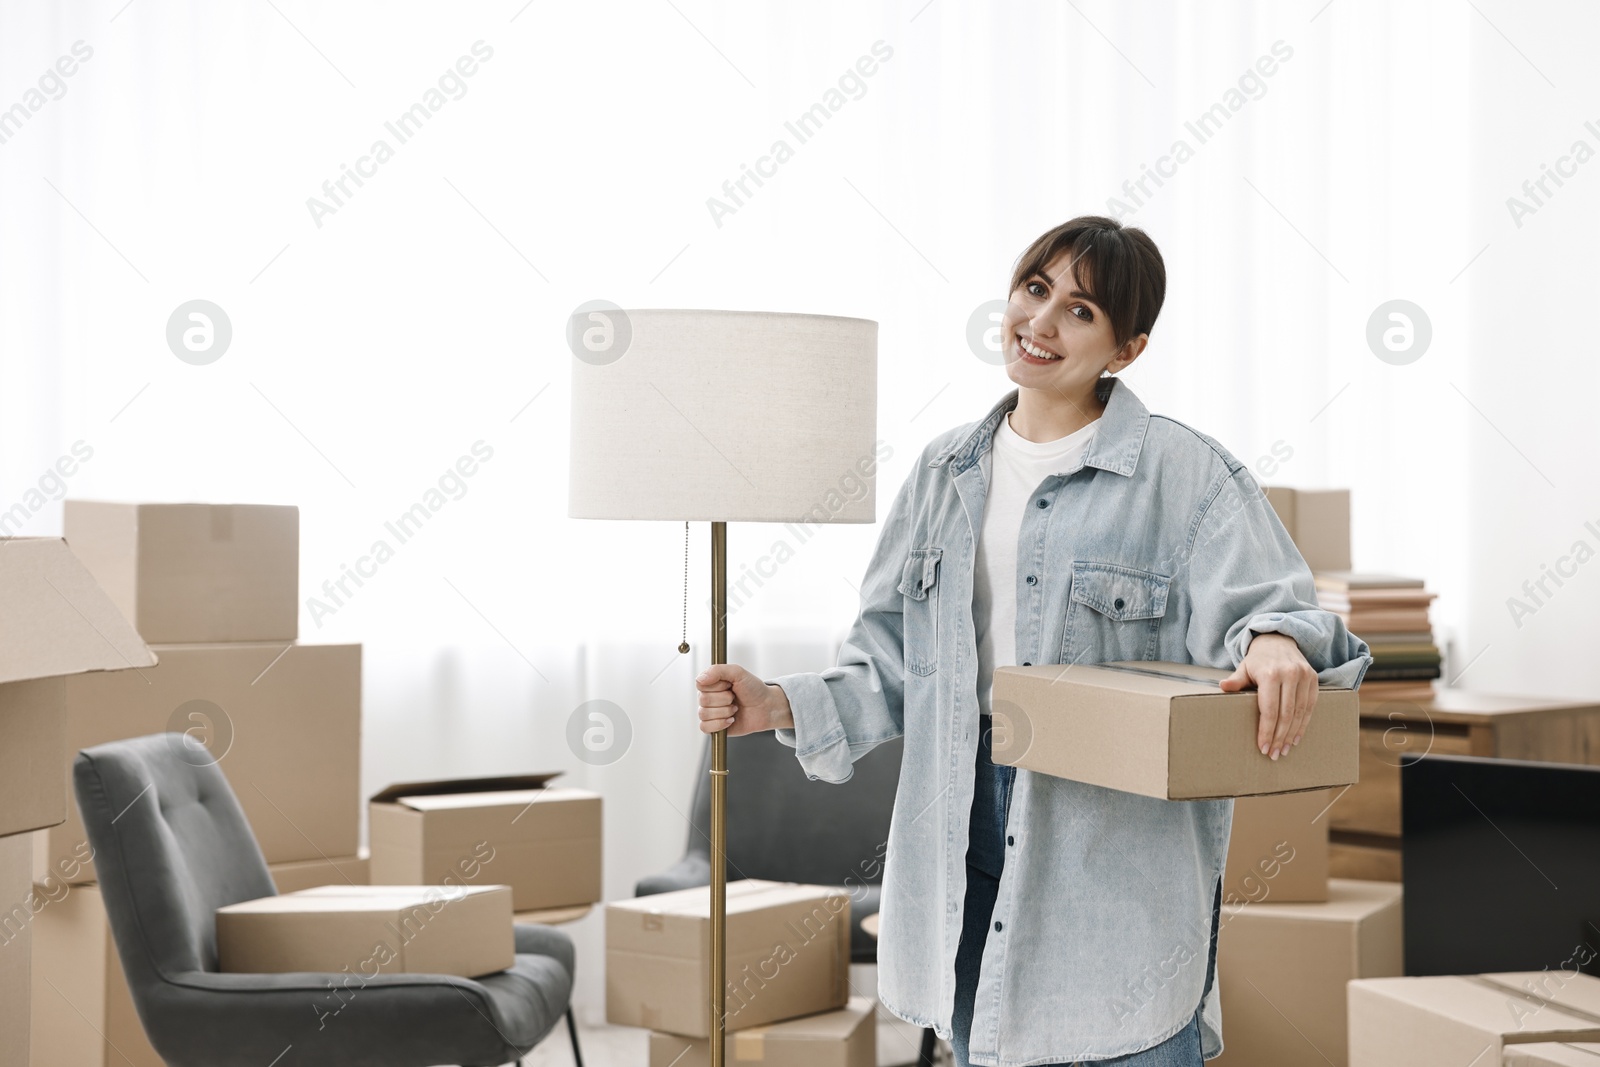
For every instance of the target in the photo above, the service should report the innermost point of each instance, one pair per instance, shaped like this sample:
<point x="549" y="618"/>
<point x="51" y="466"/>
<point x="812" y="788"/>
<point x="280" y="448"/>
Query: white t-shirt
<point x="1016" y="467"/>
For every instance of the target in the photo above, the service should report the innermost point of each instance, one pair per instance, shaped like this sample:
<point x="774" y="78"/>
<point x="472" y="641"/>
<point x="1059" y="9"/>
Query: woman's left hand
<point x="1287" y="688"/>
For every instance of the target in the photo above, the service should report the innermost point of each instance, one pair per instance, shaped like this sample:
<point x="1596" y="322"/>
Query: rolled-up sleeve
<point x="1246" y="577"/>
<point x="844" y="712"/>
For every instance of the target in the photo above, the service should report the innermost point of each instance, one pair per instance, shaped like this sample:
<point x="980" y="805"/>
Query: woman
<point x="1027" y="918"/>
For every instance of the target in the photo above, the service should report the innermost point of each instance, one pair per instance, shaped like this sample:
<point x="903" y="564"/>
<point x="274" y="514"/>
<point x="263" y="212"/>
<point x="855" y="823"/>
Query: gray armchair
<point x="785" y="827"/>
<point x="171" y="845"/>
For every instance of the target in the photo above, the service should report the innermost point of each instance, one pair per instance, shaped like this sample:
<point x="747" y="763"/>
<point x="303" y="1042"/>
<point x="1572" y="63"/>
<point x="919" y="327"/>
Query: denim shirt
<point x="1166" y="550"/>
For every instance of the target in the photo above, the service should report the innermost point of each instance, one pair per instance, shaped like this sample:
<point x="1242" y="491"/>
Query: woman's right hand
<point x="733" y="699"/>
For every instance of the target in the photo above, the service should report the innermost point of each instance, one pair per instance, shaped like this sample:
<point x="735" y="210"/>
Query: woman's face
<point x="1055" y="337"/>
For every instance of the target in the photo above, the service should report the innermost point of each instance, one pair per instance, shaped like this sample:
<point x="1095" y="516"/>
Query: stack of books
<point x="1390" y="614"/>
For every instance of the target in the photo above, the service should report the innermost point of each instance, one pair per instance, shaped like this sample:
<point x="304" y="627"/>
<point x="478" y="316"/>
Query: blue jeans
<point x="986" y="856"/>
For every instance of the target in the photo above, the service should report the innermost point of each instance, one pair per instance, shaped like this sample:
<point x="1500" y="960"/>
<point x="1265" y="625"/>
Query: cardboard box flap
<point x="489" y="798"/>
<point x="58" y="620"/>
<point x="464" y="785"/>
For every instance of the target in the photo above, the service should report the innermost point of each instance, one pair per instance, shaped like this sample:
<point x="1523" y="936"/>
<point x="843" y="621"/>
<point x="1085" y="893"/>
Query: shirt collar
<point x="1117" y="440"/>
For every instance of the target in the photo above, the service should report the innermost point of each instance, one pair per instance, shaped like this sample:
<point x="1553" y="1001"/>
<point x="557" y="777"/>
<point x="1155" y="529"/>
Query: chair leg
<point x="572" y="1032"/>
<point x="929" y="1043"/>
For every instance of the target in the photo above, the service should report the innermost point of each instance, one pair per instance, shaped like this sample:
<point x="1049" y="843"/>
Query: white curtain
<point x="380" y="333"/>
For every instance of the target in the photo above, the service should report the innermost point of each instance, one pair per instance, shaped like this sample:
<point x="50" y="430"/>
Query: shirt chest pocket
<point x="919" y="581"/>
<point x="1114" y="613"/>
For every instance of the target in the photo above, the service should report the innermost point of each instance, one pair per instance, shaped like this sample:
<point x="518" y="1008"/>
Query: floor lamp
<point x="722" y="416"/>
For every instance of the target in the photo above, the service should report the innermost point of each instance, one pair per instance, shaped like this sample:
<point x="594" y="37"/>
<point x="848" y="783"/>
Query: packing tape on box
<point x="1177" y="675"/>
<point x="750" y="1045"/>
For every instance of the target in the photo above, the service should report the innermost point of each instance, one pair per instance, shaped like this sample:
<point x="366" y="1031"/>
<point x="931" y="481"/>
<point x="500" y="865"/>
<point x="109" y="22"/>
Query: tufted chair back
<point x="171" y="845"/>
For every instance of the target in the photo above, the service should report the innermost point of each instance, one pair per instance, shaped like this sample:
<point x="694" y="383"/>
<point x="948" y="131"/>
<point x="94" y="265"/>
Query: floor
<point x="625" y="1046"/>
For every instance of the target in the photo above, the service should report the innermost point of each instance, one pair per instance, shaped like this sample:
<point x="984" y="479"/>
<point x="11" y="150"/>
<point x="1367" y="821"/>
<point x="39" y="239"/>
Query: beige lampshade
<point x="723" y="416"/>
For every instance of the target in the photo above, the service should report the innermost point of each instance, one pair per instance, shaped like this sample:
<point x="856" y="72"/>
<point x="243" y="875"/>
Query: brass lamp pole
<point x="719" y="801"/>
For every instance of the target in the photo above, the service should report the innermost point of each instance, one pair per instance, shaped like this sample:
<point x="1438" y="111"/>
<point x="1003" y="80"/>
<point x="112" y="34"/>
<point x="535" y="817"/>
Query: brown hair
<point x="1119" y="267"/>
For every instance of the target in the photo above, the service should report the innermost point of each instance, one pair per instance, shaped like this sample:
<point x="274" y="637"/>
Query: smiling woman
<point x="1105" y="532"/>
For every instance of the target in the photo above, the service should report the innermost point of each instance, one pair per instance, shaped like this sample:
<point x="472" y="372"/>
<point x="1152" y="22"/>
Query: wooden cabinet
<point x="1364" y="822"/>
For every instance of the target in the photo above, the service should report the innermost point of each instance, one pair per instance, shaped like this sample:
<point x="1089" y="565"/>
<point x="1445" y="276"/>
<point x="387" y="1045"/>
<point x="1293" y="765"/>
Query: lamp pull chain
<point x="683" y="646"/>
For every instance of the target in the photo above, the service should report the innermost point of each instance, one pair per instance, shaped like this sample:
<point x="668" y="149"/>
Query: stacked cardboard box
<point x="55" y="622"/>
<point x="214" y="588"/>
<point x="460" y="930"/>
<point x="788" y="962"/>
<point x="1290" y="937"/>
<point x="1278" y="850"/>
<point x="843" y="1038"/>
<point x="1318" y="521"/>
<point x="1487" y="1020"/>
<point x="1283" y="969"/>
<point x="16" y="949"/>
<point x="542" y="840"/>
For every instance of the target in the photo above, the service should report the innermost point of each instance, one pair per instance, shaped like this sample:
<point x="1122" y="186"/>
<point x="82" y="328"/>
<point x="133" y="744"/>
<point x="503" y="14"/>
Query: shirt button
<point x="1032" y="580"/>
<point x="1117" y="603"/>
<point x="1044" y="503"/>
<point x="997" y="927"/>
<point x="1010" y="840"/>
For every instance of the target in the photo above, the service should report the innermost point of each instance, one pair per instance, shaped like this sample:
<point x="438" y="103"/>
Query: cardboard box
<point x="16" y="949"/>
<point x="1319" y="522"/>
<point x="542" y="840"/>
<point x="1283" y="968"/>
<point x="369" y="930"/>
<point x="1401" y="1022"/>
<point x="1550" y="1054"/>
<point x="56" y="621"/>
<point x="308" y="874"/>
<point x="83" y="1014"/>
<point x="1365" y="856"/>
<point x="1278" y="849"/>
<point x="843" y="1038"/>
<point x="194" y="573"/>
<point x="788" y="954"/>
<point x="284" y="722"/>
<point x="1164" y="730"/>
